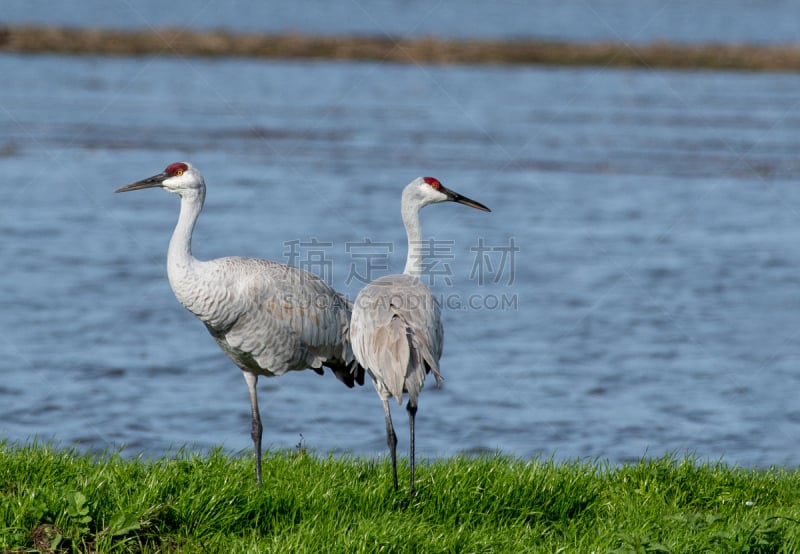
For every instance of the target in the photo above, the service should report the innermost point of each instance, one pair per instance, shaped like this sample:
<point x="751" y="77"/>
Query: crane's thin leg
<point x="391" y="439"/>
<point x="255" y="422"/>
<point x="412" y="412"/>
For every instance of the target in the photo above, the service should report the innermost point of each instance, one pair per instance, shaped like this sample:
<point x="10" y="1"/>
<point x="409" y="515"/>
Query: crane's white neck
<point x="179" y="254"/>
<point x="410" y="213"/>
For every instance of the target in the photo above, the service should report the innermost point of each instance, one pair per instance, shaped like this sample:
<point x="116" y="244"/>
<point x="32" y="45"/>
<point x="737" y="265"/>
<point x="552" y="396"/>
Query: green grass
<point x="53" y="499"/>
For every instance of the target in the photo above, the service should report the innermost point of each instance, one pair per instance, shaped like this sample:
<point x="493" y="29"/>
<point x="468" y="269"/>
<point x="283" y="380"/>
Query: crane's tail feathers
<point x="420" y="362"/>
<point x="433" y="368"/>
<point x="349" y="374"/>
<point x="358" y="372"/>
<point x="352" y="371"/>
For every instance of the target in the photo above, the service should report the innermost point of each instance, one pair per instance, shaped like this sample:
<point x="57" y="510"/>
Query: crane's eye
<point x="179" y="172"/>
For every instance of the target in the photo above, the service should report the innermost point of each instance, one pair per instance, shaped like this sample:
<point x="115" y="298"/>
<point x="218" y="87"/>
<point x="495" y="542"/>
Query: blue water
<point x="652" y="305"/>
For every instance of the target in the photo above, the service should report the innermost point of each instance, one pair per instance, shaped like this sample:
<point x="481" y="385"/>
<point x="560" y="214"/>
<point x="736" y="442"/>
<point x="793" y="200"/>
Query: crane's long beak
<point x="455" y="197"/>
<point x="150" y="182"/>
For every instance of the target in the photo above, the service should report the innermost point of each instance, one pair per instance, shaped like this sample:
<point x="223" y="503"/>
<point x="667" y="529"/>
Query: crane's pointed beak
<point x="455" y="197"/>
<point x="150" y="182"/>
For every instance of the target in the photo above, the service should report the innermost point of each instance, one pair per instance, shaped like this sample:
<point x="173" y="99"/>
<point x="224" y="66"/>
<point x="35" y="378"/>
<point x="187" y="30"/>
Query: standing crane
<point x="396" y="328"/>
<point x="268" y="317"/>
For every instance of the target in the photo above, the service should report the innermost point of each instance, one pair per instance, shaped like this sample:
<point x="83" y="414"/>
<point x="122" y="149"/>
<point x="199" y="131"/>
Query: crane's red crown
<point x="176" y="169"/>
<point x="434" y="183"/>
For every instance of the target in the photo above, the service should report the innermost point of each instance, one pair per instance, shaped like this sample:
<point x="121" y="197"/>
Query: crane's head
<point x="179" y="178"/>
<point x="428" y="190"/>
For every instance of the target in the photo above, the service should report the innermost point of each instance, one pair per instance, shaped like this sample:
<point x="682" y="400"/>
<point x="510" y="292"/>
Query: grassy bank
<point x="183" y="42"/>
<point x="56" y="500"/>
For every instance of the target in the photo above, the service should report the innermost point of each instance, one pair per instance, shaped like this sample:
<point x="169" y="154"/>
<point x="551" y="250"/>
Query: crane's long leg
<point x="412" y="412"/>
<point x="391" y="439"/>
<point x="255" y="420"/>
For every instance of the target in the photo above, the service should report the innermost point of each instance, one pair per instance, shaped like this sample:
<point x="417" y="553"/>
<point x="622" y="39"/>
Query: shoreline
<point x="215" y="43"/>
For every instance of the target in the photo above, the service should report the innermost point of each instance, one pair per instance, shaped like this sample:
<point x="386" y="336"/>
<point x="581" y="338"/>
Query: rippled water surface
<point x="652" y="305"/>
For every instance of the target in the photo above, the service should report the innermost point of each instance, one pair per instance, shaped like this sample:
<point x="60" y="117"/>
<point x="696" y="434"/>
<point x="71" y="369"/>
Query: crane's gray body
<point x="397" y="335"/>
<point x="269" y="318"/>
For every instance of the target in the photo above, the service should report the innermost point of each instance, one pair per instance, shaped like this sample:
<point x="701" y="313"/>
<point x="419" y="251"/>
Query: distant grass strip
<point x="183" y="42"/>
<point x="54" y="500"/>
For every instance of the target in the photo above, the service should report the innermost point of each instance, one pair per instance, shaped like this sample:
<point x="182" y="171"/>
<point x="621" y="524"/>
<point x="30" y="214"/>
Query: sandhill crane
<point x="268" y="317"/>
<point x="396" y="327"/>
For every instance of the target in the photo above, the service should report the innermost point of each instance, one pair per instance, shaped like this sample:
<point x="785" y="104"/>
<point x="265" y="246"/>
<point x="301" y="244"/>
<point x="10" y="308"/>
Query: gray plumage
<point x="269" y="318"/>
<point x="396" y="326"/>
<point x="397" y="335"/>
